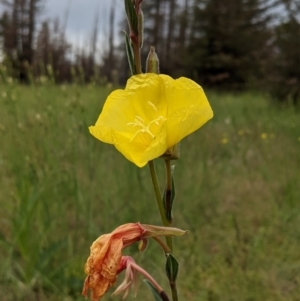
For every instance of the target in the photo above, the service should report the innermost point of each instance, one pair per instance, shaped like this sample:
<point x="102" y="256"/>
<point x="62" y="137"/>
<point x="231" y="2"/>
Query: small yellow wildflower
<point x="240" y="132"/>
<point x="152" y="114"/>
<point x="264" y="136"/>
<point x="224" y="140"/>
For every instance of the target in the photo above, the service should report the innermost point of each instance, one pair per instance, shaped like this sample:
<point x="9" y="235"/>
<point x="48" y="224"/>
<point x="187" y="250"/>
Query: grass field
<point x="238" y="192"/>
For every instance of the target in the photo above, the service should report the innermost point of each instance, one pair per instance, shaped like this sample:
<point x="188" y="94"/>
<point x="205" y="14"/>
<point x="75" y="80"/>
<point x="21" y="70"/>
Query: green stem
<point x="162" y="212"/>
<point x="168" y="166"/>
<point x="157" y="192"/>
<point x="136" y="46"/>
<point x="168" y="190"/>
<point x="137" y="57"/>
<point x="169" y="174"/>
<point x="164" y="246"/>
<point x="174" y="291"/>
<point x="159" y="201"/>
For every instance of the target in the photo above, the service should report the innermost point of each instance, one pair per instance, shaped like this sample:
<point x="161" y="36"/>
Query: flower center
<point x="145" y="128"/>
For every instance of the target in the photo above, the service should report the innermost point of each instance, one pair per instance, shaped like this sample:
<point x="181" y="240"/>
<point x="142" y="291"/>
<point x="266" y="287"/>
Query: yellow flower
<point x="224" y="140"/>
<point x="264" y="136"/>
<point x="152" y="114"/>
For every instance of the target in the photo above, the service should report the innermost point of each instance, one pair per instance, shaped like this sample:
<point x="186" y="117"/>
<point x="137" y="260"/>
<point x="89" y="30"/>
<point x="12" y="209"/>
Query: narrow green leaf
<point x="129" y="54"/>
<point x="173" y="187"/>
<point x="169" y="197"/>
<point x="172" y="267"/>
<point x="131" y="16"/>
<point x="141" y="28"/>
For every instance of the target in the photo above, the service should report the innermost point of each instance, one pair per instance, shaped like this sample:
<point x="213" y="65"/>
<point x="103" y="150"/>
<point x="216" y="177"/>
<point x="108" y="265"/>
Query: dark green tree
<point x="229" y="41"/>
<point x="284" y="84"/>
<point x="18" y="32"/>
<point x="160" y="30"/>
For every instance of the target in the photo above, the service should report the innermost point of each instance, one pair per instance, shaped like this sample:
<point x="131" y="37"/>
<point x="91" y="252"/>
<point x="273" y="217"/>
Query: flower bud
<point x="152" y="65"/>
<point x="172" y="267"/>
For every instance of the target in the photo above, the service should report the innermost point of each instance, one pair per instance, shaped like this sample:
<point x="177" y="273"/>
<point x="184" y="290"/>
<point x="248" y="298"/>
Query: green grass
<point x="237" y="192"/>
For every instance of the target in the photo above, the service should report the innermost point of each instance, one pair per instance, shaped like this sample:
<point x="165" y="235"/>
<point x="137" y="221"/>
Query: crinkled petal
<point x="129" y="233"/>
<point x="99" y="250"/>
<point x="97" y="284"/>
<point x="104" y="260"/>
<point x="139" y="152"/>
<point x="134" y="119"/>
<point x="188" y="108"/>
<point x="114" y="116"/>
<point x="112" y="259"/>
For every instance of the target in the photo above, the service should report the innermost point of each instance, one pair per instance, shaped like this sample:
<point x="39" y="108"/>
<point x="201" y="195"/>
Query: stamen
<point x="139" y="118"/>
<point x="157" y="121"/>
<point x="142" y="131"/>
<point x="139" y="121"/>
<point x="151" y="104"/>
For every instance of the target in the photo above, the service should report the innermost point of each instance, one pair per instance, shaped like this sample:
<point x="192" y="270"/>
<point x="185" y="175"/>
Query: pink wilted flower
<point x="103" y="264"/>
<point x="132" y="269"/>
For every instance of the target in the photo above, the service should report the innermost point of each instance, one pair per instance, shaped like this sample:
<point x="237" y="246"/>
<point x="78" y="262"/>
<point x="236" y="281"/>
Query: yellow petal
<point x="188" y="108"/>
<point x="138" y="151"/>
<point x="114" y="115"/>
<point x="133" y="119"/>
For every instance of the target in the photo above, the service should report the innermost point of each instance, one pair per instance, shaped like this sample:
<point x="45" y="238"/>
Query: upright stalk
<point x="162" y="210"/>
<point x="159" y="201"/>
<point x="167" y="222"/>
<point x="157" y="192"/>
<point x="168" y="191"/>
<point x="168" y="197"/>
<point x="137" y="58"/>
<point x="136" y="44"/>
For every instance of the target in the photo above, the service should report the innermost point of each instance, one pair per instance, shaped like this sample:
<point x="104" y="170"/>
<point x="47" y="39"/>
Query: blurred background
<point x="233" y="45"/>
<point x="237" y="179"/>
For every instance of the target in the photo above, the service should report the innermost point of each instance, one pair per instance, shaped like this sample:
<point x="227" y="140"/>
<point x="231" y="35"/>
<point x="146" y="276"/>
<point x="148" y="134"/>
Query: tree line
<point x="227" y="45"/>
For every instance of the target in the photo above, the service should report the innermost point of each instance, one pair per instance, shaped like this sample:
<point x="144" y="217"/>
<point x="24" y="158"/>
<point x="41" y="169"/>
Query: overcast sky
<point x="81" y="17"/>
